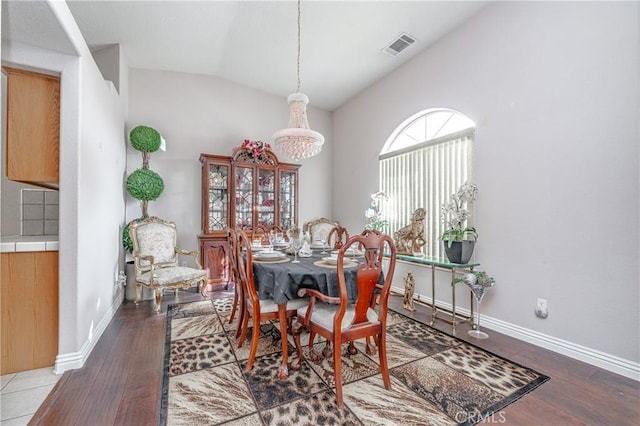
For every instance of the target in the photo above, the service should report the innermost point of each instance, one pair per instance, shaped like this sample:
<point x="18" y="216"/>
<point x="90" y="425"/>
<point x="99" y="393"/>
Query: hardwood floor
<point x="121" y="381"/>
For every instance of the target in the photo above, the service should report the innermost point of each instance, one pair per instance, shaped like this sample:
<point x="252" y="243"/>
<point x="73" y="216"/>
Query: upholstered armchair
<point x="319" y="229"/>
<point x="156" y="259"/>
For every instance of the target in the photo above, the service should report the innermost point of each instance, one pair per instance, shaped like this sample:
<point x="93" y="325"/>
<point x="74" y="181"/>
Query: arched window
<point x="422" y="163"/>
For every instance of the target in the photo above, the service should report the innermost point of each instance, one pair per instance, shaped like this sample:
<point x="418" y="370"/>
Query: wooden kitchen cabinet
<point x="29" y="306"/>
<point x="243" y="191"/>
<point x="33" y="127"/>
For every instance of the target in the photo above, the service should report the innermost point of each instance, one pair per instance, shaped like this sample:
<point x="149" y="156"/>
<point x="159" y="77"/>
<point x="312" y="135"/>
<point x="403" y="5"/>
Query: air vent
<point x="399" y="44"/>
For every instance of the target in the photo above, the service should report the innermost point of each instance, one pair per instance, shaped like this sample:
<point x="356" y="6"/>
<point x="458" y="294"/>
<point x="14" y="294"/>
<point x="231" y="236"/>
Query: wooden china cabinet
<point x="243" y="191"/>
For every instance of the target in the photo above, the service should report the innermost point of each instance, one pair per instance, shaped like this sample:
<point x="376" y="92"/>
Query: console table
<point x="442" y="264"/>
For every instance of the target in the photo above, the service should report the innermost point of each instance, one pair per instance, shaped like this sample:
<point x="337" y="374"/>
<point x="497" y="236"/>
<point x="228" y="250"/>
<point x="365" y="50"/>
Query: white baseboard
<point x="600" y="359"/>
<point x="75" y="360"/>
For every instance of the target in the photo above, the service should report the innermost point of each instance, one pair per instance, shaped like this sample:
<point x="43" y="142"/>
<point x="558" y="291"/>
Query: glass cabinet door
<point x="266" y="201"/>
<point x="244" y="197"/>
<point x="287" y="199"/>
<point x="218" y="197"/>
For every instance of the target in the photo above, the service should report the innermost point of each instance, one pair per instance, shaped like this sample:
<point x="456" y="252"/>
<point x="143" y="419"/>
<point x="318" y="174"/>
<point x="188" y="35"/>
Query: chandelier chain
<point x="298" y="58"/>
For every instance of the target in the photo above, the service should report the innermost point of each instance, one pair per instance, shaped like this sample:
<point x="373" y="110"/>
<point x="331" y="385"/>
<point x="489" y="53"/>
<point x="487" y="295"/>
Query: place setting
<point x="332" y="262"/>
<point x="319" y="245"/>
<point x="269" y="255"/>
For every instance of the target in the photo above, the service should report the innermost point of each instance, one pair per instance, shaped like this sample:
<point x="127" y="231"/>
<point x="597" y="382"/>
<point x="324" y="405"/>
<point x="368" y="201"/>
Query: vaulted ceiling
<point x="253" y="43"/>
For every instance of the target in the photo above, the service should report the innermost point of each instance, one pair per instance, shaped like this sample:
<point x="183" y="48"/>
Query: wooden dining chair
<point x="338" y="236"/>
<point x="234" y="276"/>
<point x="278" y="230"/>
<point x="339" y="321"/>
<point x="259" y="310"/>
<point x="261" y="232"/>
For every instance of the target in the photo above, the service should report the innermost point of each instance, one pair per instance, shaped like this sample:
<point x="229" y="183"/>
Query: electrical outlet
<point x="542" y="310"/>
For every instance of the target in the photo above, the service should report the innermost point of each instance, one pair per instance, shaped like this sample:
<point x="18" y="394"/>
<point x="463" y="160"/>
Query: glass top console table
<point x="443" y="264"/>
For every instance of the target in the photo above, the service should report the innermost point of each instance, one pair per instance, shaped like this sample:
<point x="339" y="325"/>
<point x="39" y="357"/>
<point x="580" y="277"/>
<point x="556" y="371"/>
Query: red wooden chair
<point x="259" y="310"/>
<point x="338" y="236"/>
<point x="234" y="276"/>
<point x="338" y="321"/>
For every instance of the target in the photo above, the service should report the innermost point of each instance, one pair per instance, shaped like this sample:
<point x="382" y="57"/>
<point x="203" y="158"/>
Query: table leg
<point x="453" y="301"/>
<point x="283" y="370"/>
<point x="473" y="317"/>
<point x="433" y="295"/>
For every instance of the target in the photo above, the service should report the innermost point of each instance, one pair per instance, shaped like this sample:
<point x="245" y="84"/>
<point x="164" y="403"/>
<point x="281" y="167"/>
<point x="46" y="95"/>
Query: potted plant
<point x="373" y="215"/>
<point x="458" y="244"/>
<point x="142" y="184"/>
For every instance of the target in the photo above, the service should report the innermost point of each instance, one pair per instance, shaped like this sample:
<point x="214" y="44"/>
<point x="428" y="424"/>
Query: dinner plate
<point x="271" y="259"/>
<point x="350" y="252"/>
<point x="256" y="248"/>
<point x="281" y="244"/>
<point x="268" y="255"/>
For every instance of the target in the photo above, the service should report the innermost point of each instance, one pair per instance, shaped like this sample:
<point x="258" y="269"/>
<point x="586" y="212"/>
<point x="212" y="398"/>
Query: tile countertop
<point x="28" y="243"/>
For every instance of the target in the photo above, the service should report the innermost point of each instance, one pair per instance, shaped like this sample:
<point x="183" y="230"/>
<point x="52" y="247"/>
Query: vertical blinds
<point x="425" y="175"/>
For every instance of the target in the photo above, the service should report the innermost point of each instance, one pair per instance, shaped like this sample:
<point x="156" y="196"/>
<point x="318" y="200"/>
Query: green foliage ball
<point x="127" y="243"/>
<point x="145" y="138"/>
<point x="145" y="184"/>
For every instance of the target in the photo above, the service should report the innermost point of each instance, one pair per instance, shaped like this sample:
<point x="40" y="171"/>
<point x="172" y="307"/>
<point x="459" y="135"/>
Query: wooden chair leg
<point x="337" y="371"/>
<point x="243" y="313"/>
<point x="158" y="296"/>
<point x="255" y="337"/>
<point x="369" y="348"/>
<point x="296" y="330"/>
<point x="138" y="293"/>
<point x="312" y="351"/>
<point x="327" y="352"/>
<point x="235" y="304"/>
<point x="244" y="327"/>
<point x="384" y="366"/>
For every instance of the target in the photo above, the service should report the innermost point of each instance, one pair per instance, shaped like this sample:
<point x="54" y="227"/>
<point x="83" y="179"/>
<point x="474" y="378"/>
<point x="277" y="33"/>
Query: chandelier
<point x="298" y="141"/>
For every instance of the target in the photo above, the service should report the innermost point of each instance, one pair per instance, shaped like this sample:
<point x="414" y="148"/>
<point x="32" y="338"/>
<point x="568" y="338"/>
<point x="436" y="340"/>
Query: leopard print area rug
<point x="436" y="379"/>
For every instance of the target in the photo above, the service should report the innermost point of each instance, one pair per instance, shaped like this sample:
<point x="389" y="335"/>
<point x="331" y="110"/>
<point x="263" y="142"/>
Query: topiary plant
<point x="143" y="184"/>
<point x="126" y="237"/>
<point x="145" y="138"/>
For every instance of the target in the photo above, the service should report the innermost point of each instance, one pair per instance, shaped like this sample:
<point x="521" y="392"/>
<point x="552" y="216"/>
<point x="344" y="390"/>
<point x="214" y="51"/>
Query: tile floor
<point x="22" y="393"/>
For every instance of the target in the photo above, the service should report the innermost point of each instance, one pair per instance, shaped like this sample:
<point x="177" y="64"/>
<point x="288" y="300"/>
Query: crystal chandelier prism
<point x="298" y="141"/>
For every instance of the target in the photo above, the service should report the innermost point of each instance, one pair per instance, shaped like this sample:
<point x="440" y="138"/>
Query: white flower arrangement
<point x="373" y="216"/>
<point x="455" y="214"/>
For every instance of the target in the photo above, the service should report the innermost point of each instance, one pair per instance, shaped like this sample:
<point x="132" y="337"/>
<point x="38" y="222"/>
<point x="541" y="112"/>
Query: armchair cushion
<point x="171" y="276"/>
<point x="324" y="313"/>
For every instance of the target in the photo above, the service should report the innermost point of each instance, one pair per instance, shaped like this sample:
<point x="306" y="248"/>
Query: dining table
<point x="280" y="279"/>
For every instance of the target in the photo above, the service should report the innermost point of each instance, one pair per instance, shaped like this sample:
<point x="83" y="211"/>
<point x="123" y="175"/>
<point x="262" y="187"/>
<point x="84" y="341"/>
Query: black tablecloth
<point x="281" y="281"/>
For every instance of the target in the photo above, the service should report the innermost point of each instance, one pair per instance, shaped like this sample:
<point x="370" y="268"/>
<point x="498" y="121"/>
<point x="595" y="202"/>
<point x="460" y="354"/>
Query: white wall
<point x="202" y="114"/>
<point x="92" y="164"/>
<point x="553" y="89"/>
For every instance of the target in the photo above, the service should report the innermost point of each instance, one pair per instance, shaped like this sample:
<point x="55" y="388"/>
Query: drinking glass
<point x="272" y="238"/>
<point x="296" y="243"/>
<point x="324" y="246"/>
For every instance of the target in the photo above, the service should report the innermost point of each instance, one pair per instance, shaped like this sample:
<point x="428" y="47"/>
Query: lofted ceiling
<point x="252" y="43"/>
